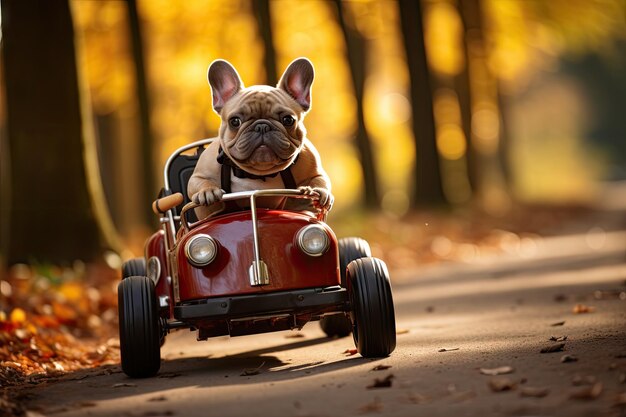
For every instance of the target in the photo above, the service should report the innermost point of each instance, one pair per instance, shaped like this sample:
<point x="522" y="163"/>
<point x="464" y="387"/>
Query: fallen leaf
<point x="582" y="309"/>
<point x="252" y="371"/>
<point x="402" y="331"/>
<point x="375" y="406"/>
<point x="558" y="323"/>
<point x="169" y="375"/>
<point x="568" y="358"/>
<point x="381" y="367"/>
<point x="159" y="398"/>
<point x="350" y="352"/>
<point x="294" y="336"/>
<point x="497" y="371"/>
<point x="382" y="383"/>
<point x="587" y="393"/>
<point x="534" y="392"/>
<point x="124" y="384"/>
<point x="448" y="349"/>
<point x="557" y="338"/>
<point x="501" y="383"/>
<point x="553" y="348"/>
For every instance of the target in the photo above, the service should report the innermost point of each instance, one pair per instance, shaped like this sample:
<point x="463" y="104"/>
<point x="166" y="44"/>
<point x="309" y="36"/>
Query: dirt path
<point x="497" y="313"/>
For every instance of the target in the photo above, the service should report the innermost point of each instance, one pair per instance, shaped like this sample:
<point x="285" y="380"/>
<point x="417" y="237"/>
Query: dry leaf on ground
<point x="497" y="371"/>
<point x="294" y="336"/>
<point x="350" y="352"/>
<point x="587" y="393"/>
<point x="553" y="348"/>
<point x="252" y="371"/>
<point x="558" y="323"/>
<point x="386" y="382"/>
<point x="502" y="383"/>
<point x="568" y="358"/>
<point x="582" y="309"/>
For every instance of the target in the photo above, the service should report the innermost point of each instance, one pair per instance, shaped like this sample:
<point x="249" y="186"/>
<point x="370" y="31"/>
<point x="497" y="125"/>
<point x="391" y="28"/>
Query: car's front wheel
<point x="134" y="267"/>
<point x="350" y="249"/>
<point x="373" y="316"/>
<point x="140" y="344"/>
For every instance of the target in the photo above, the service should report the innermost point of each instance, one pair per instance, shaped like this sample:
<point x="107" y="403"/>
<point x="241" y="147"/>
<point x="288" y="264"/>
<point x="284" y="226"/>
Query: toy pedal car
<point x="245" y="271"/>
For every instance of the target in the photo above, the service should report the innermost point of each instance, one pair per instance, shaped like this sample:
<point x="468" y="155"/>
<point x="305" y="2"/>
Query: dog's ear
<point x="297" y="80"/>
<point x="224" y="81"/>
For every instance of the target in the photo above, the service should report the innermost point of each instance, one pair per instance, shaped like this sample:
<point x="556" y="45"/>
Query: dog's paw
<point x="208" y="196"/>
<point x="325" y="200"/>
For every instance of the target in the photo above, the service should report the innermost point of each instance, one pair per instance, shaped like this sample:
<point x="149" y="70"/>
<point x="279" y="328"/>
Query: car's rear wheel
<point x="350" y="249"/>
<point x="139" y="327"/>
<point x="134" y="267"/>
<point x="373" y="317"/>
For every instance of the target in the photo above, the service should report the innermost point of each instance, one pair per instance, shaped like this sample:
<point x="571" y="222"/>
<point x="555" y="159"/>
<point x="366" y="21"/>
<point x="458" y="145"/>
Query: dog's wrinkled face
<point x="262" y="129"/>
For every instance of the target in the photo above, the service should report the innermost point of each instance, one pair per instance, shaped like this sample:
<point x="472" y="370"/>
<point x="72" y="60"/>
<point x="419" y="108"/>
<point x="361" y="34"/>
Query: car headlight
<point x="201" y="250"/>
<point x="313" y="240"/>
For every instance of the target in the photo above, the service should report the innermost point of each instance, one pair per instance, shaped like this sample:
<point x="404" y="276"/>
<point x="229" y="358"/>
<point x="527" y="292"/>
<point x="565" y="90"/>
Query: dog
<point x="262" y="141"/>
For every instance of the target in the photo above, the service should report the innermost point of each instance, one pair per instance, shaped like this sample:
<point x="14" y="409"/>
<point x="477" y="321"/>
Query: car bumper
<point x="298" y="301"/>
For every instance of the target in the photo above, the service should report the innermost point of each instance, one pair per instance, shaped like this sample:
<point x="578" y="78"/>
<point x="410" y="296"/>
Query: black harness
<point x="229" y="167"/>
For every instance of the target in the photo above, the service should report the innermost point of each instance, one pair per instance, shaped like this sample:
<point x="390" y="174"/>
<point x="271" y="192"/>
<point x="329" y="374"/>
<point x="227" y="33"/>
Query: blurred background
<point x="474" y="118"/>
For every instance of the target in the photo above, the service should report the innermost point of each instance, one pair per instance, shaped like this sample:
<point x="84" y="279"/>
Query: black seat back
<point x="180" y="170"/>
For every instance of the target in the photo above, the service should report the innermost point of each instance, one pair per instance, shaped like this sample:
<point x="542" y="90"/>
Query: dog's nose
<point x="262" y="128"/>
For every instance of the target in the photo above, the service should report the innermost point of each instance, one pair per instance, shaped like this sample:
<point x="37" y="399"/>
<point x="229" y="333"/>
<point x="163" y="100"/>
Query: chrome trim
<point x="190" y="242"/>
<point x="153" y="269"/>
<point x="259" y="274"/>
<point x="300" y="234"/>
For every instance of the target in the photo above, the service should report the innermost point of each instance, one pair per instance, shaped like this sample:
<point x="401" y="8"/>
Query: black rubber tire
<point x="134" y="268"/>
<point x="140" y="344"/>
<point x="373" y="316"/>
<point x="350" y="249"/>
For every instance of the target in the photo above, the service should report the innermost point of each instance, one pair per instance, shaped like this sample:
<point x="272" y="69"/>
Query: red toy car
<point x="247" y="270"/>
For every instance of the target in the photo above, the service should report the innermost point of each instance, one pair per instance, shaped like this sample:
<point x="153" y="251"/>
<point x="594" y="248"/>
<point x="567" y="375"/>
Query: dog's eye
<point x="288" y="120"/>
<point x="234" y="122"/>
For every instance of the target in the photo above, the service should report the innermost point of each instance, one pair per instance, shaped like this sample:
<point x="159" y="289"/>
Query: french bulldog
<point x="261" y="136"/>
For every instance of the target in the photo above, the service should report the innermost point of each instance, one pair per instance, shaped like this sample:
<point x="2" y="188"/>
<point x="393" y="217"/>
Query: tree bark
<point x="149" y="191"/>
<point x="264" y="21"/>
<point x="428" y="189"/>
<point x="50" y="209"/>
<point x="357" y="59"/>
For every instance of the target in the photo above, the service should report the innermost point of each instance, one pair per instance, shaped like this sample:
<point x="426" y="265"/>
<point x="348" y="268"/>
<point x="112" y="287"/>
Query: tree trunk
<point x="357" y="60"/>
<point x="428" y="184"/>
<point x="264" y="21"/>
<point x="486" y="153"/>
<point x="50" y="210"/>
<point x="149" y="191"/>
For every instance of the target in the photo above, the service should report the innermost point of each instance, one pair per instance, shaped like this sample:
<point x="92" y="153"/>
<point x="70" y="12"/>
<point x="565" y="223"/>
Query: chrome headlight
<point x="201" y="250"/>
<point x="313" y="240"/>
